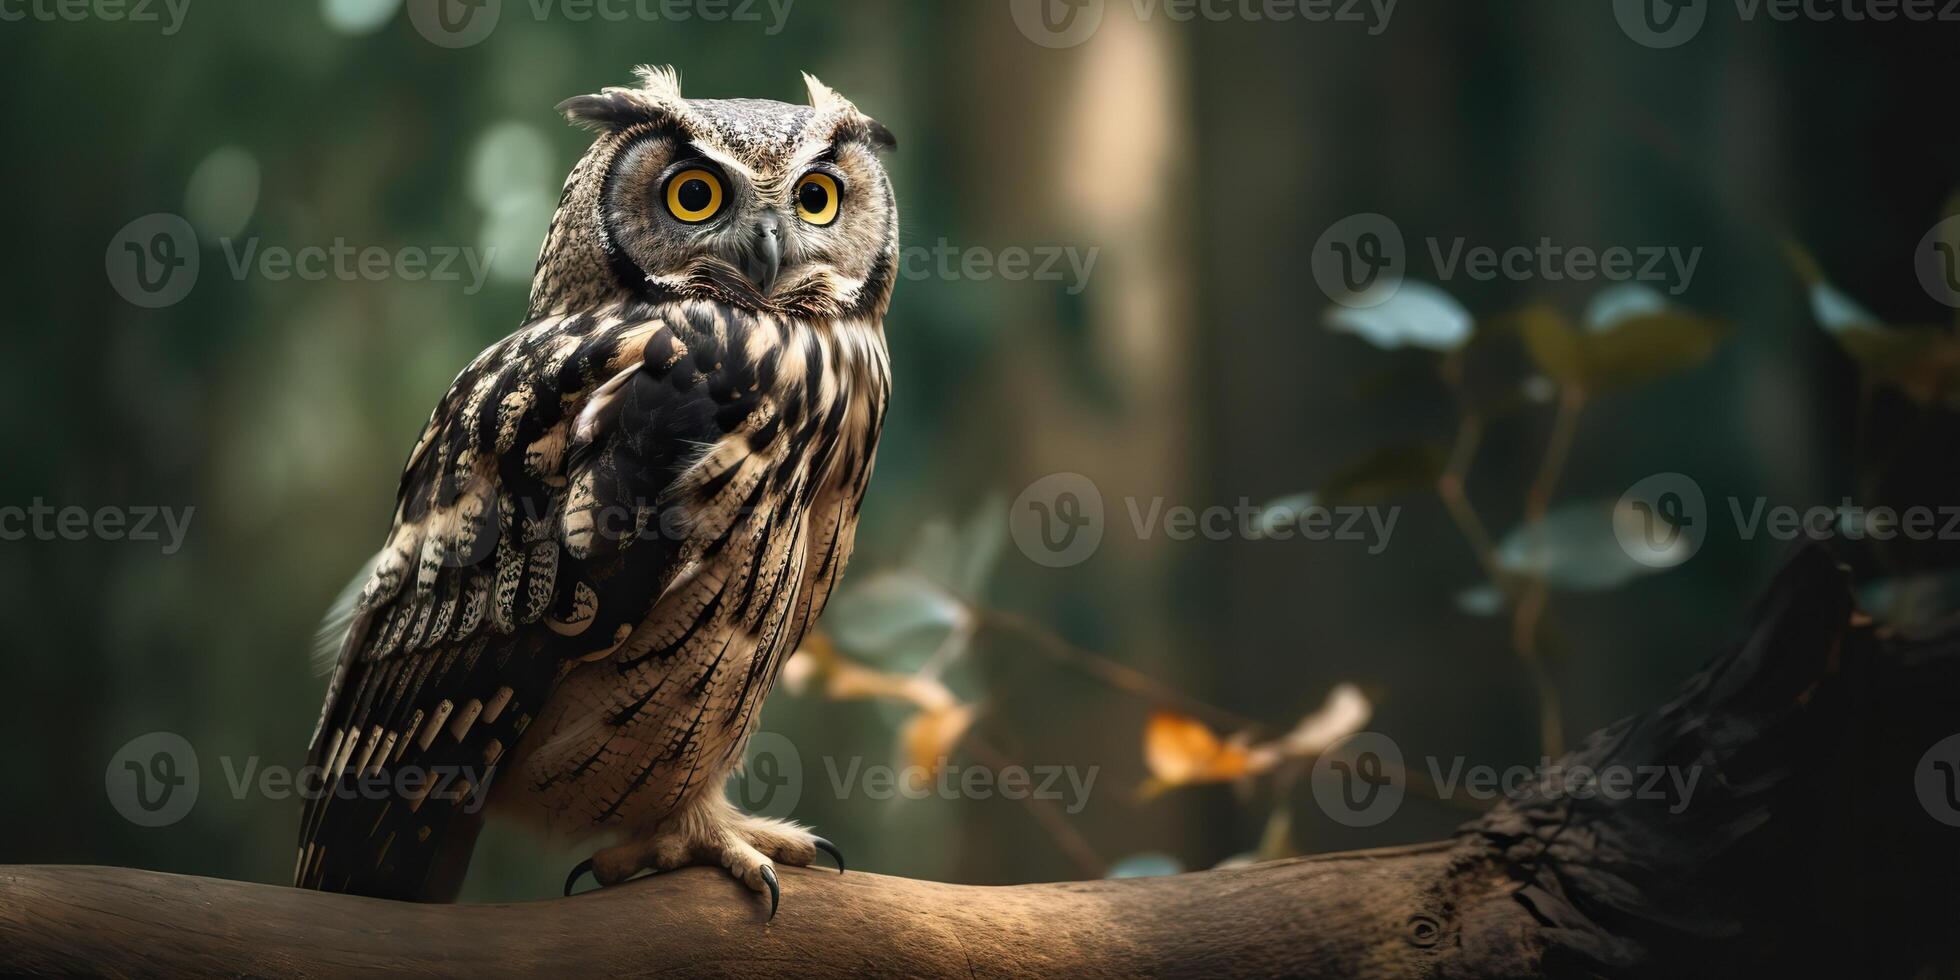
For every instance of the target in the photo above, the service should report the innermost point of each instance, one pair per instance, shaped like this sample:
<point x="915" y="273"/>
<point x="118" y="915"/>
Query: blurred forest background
<point x="1202" y="161"/>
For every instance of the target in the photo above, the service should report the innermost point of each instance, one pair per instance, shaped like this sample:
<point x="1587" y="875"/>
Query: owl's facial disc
<point x="795" y="230"/>
<point x="778" y="208"/>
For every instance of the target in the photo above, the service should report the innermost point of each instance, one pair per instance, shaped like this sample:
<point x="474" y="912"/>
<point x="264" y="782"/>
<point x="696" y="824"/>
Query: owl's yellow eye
<point x="817" y="198"/>
<point x="694" y="195"/>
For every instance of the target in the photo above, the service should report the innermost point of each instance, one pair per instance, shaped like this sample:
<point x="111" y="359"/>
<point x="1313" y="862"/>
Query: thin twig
<point x="1456" y="500"/>
<point x="1535" y="596"/>
<point x="1558" y="449"/>
<point x="1126" y="679"/>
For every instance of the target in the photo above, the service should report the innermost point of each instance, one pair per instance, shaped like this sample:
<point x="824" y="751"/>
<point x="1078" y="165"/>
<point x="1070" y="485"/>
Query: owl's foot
<point x="749" y="847"/>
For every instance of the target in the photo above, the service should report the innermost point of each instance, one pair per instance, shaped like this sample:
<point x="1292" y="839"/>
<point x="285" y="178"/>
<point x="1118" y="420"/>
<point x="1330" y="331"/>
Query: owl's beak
<point x="768" y="254"/>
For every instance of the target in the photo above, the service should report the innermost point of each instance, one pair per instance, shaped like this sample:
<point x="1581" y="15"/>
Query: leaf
<point x="1615" y="305"/>
<point x="1575" y="548"/>
<point x="1481" y="600"/>
<point x="1283" y="512"/>
<point x="1147" y="865"/>
<point x="1632" y="343"/>
<point x="1838" y="313"/>
<point x="875" y="617"/>
<point x="1345" y="712"/>
<point x="1418" y="315"/>
<point x="1180" y="750"/>
<point x="982" y="539"/>
<point x="1647" y="347"/>
<point x="1553" y="344"/>
<point x="929" y="737"/>
<point x="1921" y="361"/>
<point x="1387" y="472"/>
<point x="934" y="554"/>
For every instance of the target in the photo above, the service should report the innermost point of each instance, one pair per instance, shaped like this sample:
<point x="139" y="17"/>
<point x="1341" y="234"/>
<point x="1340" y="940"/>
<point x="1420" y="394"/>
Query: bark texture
<point x="1804" y="850"/>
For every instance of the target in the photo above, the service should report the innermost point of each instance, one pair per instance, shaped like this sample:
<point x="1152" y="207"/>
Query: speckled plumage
<point x="621" y="519"/>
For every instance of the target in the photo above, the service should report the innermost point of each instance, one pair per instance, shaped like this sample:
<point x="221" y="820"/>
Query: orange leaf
<point x="930" y="736"/>
<point x="1180" y="750"/>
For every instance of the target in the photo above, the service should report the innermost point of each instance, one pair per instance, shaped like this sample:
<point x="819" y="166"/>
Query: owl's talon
<point x="831" y="849"/>
<point x="775" y="890"/>
<point x="572" y="879"/>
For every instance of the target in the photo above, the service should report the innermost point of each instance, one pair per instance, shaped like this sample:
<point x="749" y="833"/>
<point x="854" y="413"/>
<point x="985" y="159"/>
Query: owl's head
<point x="773" y="207"/>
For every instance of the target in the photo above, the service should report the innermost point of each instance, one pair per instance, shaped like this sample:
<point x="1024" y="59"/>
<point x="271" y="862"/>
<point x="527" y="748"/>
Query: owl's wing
<point x="486" y="589"/>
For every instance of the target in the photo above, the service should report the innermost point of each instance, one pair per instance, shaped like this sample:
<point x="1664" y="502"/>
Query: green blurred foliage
<point x="280" y="409"/>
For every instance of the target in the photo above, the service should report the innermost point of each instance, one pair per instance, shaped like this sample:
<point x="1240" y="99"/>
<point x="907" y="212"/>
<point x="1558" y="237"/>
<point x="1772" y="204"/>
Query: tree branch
<point x="1804" y="849"/>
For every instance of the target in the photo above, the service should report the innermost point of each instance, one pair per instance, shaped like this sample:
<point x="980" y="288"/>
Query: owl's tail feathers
<point x="382" y="846"/>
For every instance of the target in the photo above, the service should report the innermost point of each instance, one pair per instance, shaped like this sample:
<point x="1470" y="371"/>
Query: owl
<point x="622" y="518"/>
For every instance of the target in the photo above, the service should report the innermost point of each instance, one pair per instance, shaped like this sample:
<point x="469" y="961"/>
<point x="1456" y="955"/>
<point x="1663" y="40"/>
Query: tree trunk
<point x="1804" y="849"/>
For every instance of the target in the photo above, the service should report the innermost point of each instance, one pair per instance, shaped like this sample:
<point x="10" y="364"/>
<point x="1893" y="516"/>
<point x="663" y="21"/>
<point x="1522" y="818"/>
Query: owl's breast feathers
<point x="663" y="492"/>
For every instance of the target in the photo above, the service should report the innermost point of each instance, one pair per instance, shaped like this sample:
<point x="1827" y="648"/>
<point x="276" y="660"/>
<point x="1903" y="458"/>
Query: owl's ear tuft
<point x="855" y="124"/>
<point x="878" y="136"/>
<point x="658" y="98"/>
<point x="659" y="83"/>
<point x="824" y="99"/>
